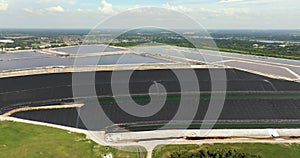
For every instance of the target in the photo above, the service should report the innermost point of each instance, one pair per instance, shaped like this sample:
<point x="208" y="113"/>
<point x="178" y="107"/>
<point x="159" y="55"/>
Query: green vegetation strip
<point x="26" y="140"/>
<point x="214" y="126"/>
<point x="264" y="54"/>
<point x="250" y="149"/>
<point x="202" y="96"/>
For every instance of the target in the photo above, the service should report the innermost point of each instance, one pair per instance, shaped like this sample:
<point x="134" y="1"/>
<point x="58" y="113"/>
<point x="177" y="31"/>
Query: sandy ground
<point x="41" y="108"/>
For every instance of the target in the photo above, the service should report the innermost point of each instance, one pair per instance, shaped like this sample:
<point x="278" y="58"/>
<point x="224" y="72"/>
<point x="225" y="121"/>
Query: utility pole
<point x="2" y="48"/>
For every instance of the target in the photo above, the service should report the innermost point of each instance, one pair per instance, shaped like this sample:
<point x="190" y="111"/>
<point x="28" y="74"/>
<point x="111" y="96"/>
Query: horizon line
<point x="33" y="28"/>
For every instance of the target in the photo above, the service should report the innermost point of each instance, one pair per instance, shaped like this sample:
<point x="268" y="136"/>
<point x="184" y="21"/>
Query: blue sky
<point x="219" y="14"/>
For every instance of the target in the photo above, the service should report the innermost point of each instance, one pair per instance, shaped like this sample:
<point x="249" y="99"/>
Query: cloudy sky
<point x="213" y="14"/>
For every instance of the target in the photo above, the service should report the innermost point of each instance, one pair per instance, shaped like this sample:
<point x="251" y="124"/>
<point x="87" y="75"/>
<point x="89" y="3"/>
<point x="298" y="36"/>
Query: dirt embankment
<point x="41" y="108"/>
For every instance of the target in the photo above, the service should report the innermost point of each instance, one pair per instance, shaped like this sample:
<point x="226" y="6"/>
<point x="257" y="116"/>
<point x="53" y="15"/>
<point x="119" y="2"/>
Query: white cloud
<point x="56" y="9"/>
<point x="211" y="13"/>
<point x="177" y="7"/>
<point x="105" y="7"/>
<point x="251" y="1"/>
<point x="43" y="1"/>
<point x="28" y="10"/>
<point x="3" y="5"/>
<point x="225" y="11"/>
<point x="231" y="1"/>
<point x="79" y="10"/>
<point x="57" y="1"/>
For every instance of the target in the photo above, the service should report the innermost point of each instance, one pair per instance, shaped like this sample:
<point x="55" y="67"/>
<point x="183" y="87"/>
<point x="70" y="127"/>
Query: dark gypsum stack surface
<point x="52" y="88"/>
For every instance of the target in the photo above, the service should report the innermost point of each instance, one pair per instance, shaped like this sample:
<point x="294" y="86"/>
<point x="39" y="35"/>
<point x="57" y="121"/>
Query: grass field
<point x="262" y="149"/>
<point x="26" y="140"/>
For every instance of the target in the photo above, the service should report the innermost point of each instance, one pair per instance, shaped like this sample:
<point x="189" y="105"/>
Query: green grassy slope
<point x="26" y="140"/>
<point x="262" y="149"/>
